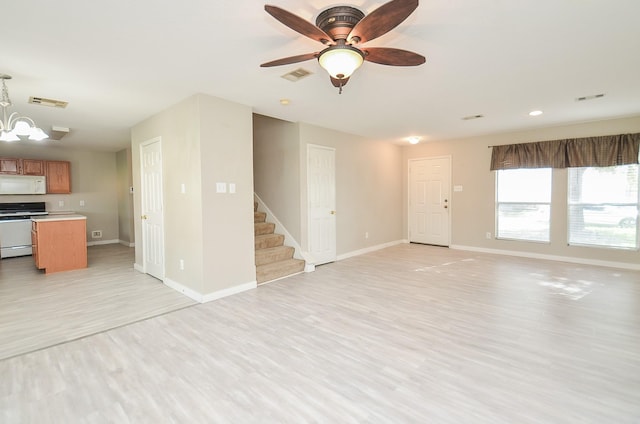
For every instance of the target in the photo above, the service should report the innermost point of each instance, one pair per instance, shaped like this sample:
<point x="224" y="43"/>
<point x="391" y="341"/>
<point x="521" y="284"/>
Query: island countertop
<point x="57" y="217"/>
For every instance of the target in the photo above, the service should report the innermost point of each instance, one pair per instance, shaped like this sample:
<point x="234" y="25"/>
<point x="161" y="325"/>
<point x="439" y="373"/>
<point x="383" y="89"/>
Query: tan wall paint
<point x="472" y="210"/>
<point x="179" y="130"/>
<point x="227" y="227"/>
<point x="368" y="188"/>
<point x="204" y="140"/>
<point x="276" y="169"/>
<point x="93" y="179"/>
<point x="125" y="199"/>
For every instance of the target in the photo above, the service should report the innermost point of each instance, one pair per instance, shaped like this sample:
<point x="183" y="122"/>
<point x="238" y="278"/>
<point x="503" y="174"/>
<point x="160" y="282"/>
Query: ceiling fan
<point x="342" y="29"/>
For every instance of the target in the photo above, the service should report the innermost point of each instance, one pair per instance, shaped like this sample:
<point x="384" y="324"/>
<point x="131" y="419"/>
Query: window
<point x="603" y="206"/>
<point x="524" y="204"/>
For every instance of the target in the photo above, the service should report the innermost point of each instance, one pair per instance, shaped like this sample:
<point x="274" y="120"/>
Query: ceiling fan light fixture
<point x="341" y="61"/>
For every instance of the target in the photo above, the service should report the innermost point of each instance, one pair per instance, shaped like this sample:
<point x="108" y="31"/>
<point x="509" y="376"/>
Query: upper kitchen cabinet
<point x="32" y="167"/>
<point x="10" y="166"/>
<point x="58" y="175"/>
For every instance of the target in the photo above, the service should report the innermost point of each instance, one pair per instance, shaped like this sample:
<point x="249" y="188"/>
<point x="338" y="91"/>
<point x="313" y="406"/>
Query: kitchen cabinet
<point x="59" y="242"/>
<point x="58" y="175"/>
<point x="9" y="166"/>
<point x="32" y="167"/>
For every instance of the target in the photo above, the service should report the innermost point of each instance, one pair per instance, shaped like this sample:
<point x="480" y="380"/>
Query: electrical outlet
<point x="366" y="235"/>
<point x="181" y="264"/>
<point x="96" y="234"/>
<point x="82" y="203"/>
<point x="61" y="203"/>
<point x="488" y="235"/>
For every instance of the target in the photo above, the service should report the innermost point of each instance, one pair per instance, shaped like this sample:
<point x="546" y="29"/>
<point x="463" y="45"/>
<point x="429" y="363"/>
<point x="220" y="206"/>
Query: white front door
<point x="152" y="211"/>
<point x="321" y="188"/>
<point x="429" y="200"/>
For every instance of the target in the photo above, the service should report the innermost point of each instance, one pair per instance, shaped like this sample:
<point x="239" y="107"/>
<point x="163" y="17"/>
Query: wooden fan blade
<point x="291" y="59"/>
<point x="382" y="20"/>
<point x="300" y="25"/>
<point x="393" y="57"/>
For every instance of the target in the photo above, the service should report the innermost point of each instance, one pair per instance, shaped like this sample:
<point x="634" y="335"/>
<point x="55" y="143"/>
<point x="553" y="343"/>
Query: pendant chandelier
<point x="15" y="127"/>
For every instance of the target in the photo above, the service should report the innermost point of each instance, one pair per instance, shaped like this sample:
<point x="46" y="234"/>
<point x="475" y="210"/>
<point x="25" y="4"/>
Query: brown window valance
<point x="609" y="150"/>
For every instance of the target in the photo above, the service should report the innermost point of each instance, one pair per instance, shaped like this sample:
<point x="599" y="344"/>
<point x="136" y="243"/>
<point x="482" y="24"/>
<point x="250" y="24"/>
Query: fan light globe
<point x="341" y="61"/>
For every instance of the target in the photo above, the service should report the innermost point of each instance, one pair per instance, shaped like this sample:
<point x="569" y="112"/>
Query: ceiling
<point x="120" y="62"/>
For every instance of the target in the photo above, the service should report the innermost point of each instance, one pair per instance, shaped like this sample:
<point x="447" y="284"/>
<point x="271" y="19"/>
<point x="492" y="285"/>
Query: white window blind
<point x="523" y="206"/>
<point x="603" y="206"/>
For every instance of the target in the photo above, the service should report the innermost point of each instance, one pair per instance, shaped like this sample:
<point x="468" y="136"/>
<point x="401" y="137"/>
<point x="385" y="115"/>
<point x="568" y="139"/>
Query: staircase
<point x="273" y="259"/>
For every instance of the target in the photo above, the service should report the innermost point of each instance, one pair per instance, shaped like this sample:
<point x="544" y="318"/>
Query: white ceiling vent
<point x="297" y="75"/>
<point x="48" y="102"/>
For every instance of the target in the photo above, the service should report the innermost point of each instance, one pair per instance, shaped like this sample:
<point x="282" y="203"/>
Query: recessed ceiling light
<point x="470" y="117"/>
<point x="413" y="139"/>
<point x="285" y="102"/>
<point x="535" y="113"/>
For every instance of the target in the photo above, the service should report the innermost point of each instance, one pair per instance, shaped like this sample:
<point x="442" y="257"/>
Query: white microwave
<point x="23" y="184"/>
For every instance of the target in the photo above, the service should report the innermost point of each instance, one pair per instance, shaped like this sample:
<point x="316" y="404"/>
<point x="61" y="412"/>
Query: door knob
<point x="144" y="216"/>
<point x="333" y="212"/>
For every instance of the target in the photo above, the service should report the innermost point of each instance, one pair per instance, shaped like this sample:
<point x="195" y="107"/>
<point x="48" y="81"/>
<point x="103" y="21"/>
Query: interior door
<point x="321" y="188"/>
<point x="429" y="200"/>
<point x="152" y="210"/>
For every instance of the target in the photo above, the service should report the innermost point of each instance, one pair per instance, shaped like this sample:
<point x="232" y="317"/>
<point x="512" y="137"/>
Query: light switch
<point x="221" y="187"/>
<point x="183" y="188"/>
<point x="232" y="188"/>
<point x="457" y="188"/>
<point x="82" y="203"/>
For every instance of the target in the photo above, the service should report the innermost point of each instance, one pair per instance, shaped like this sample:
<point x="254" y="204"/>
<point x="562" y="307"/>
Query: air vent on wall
<point x="470" y="117"/>
<point x="583" y="98"/>
<point x="297" y="75"/>
<point x="48" y="102"/>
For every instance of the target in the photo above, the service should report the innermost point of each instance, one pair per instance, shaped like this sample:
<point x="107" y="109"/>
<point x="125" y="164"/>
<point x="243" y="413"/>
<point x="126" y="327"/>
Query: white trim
<point x="288" y="238"/>
<point x="610" y="264"/>
<point x="203" y="298"/>
<point x="126" y="243"/>
<point x="369" y="249"/>
<point x="139" y="268"/>
<point x="96" y="243"/>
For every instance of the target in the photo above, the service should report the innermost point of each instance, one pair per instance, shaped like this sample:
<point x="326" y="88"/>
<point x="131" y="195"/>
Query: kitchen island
<point x="59" y="242"/>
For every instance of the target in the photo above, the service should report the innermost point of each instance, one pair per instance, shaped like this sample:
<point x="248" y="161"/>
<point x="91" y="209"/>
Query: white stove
<point x="15" y="227"/>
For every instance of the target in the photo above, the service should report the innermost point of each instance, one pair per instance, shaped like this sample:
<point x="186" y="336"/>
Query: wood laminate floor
<point x="408" y="334"/>
<point x="38" y="310"/>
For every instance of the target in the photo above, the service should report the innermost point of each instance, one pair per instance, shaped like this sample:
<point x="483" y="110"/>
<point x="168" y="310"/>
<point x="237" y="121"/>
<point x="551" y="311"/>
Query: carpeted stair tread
<point x="259" y="217"/>
<point x="260" y="228"/>
<point x="273" y="254"/>
<point x="278" y="269"/>
<point x="266" y="241"/>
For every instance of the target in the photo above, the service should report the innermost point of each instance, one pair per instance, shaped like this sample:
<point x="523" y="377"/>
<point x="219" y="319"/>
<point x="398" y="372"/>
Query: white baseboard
<point x="610" y="264"/>
<point x="369" y="249"/>
<point x="203" y="298"/>
<point x="138" y="268"/>
<point x="100" y="242"/>
<point x="126" y="243"/>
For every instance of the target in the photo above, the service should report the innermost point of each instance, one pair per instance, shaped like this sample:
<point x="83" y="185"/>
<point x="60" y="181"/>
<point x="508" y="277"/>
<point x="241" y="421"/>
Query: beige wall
<point x="125" y="198"/>
<point x="204" y="141"/>
<point x="276" y="169"/>
<point x="368" y="182"/>
<point x="368" y="188"/>
<point x="472" y="210"/>
<point x="93" y="180"/>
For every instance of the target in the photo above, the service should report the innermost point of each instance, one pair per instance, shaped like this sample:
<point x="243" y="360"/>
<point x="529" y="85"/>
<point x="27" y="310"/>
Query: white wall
<point x="94" y="179"/>
<point x="125" y="198"/>
<point x="472" y="210"/>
